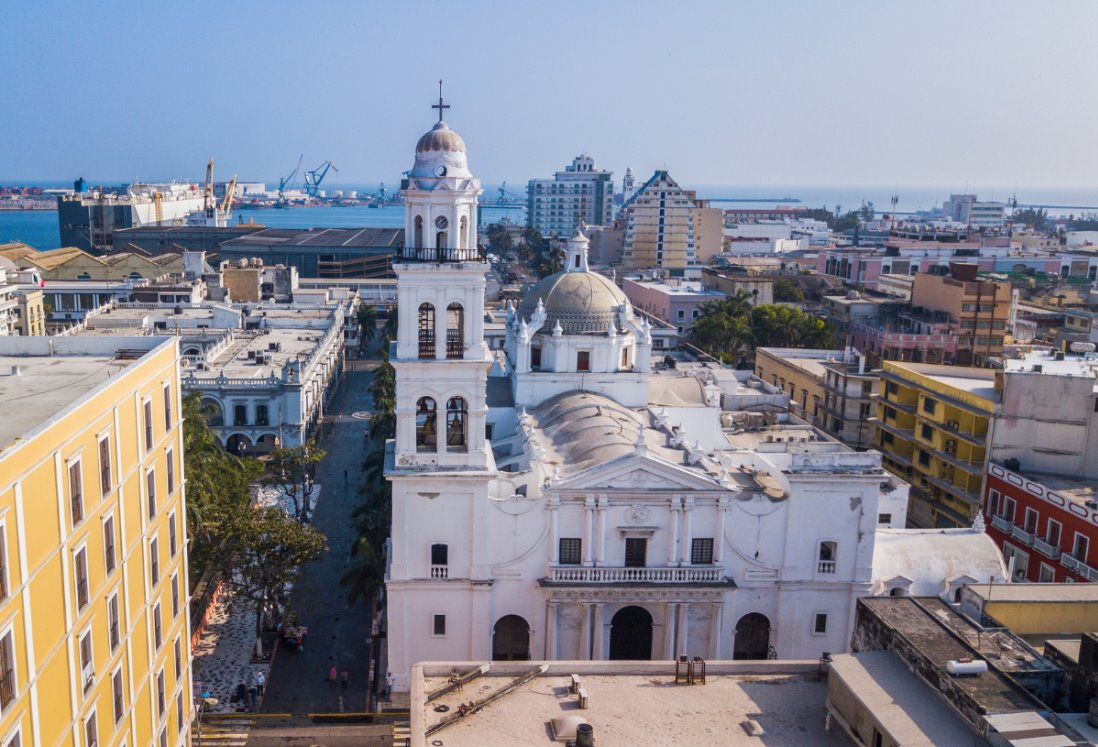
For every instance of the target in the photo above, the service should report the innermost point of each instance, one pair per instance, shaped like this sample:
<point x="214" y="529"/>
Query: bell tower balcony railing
<point x="441" y="255"/>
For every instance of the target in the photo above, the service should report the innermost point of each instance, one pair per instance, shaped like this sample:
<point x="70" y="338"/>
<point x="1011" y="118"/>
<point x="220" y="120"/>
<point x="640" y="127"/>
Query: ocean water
<point x="39" y="228"/>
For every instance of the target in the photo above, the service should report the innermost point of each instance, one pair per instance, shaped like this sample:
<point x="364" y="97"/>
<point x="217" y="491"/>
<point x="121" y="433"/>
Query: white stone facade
<point x="618" y="509"/>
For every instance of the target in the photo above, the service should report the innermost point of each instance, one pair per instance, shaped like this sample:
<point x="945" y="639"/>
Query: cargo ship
<point x="88" y="217"/>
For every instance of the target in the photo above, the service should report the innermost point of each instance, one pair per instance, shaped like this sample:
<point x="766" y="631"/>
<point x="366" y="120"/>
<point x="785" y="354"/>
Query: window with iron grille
<point x="148" y="425"/>
<point x="80" y="560"/>
<point x="109" y="559"/>
<point x="105" y="481"/>
<point x="569" y="550"/>
<point x="119" y="696"/>
<point x="150" y="486"/>
<point x="636" y="548"/>
<point x="76" y="492"/>
<point x="7" y="670"/>
<point x="701" y="551"/>
<point x="112" y="622"/>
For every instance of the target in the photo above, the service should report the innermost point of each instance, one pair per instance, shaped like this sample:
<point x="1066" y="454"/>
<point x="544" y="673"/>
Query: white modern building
<point x="582" y="193"/>
<point x="969" y="211"/>
<point x="567" y="497"/>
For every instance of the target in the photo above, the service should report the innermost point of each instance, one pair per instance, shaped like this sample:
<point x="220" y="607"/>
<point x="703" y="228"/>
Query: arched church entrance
<point x="752" y="637"/>
<point x="511" y="639"/>
<point x="631" y="634"/>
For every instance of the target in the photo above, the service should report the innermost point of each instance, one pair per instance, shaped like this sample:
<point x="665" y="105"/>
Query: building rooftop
<point x="239" y="360"/>
<point x="1054" y="363"/>
<point x="908" y="710"/>
<point x="810" y="361"/>
<point x="638" y="704"/>
<point x="979" y="382"/>
<point x="680" y="288"/>
<point x="41" y="377"/>
<point x="319" y="237"/>
<point x="1003" y="592"/>
<point x="941" y="635"/>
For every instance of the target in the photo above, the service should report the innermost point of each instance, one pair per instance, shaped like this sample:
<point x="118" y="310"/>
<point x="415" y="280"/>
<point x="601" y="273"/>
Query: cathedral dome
<point x="441" y="138"/>
<point x="583" y="302"/>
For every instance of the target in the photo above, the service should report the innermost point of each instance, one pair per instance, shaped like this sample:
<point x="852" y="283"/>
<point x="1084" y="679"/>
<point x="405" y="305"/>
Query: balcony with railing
<point x="645" y="575"/>
<point x="441" y="255"/>
<point x="7" y="687"/>
<point x="1070" y="562"/>
<point x="1046" y="549"/>
<point x="440" y="571"/>
<point x="1003" y="525"/>
<point x="825" y="566"/>
<point x="1020" y="534"/>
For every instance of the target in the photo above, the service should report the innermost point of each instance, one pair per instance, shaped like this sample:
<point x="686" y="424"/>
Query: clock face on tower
<point x="440" y="170"/>
<point x="441" y="222"/>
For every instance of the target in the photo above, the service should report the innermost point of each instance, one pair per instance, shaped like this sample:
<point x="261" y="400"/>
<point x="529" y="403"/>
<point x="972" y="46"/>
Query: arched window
<point x="240" y="415"/>
<point x="455" y="331"/>
<point x="463" y="233"/>
<point x="455" y="422"/>
<point x="419" y="232"/>
<point x="211" y="410"/>
<point x="261" y="415"/>
<point x="426" y="330"/>
<point x="426" y="427"/>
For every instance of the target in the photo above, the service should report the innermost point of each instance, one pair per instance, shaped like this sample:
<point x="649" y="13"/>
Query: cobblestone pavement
<point x="223" y="656"/>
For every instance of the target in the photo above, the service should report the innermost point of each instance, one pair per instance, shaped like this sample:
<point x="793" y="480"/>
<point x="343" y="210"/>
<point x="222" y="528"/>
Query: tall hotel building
<point x="579" y="193"/>
<point x="94" y="634"/>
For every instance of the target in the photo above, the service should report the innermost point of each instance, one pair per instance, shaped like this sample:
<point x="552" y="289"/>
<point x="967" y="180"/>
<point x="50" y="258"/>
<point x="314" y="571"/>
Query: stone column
<point x="673" y="535"/>
<point x="597" y="649"/>
<point x="715" y="614"/>
<point x="687" y="529"/>
<point x="600" y="549"/>
<point x="551" y="630"/>
<point x="722" y="516"/>
<point x="440" y="329"/>
<point x="585" y="633"/>
<point x="588" y="534"/>
<point x="669" y="616"/>
<point x="554" y="530"/>
<point x="684" y="613"/>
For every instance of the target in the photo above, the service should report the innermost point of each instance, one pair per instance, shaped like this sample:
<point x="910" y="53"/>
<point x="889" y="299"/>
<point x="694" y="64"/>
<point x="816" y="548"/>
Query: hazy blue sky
<point x="769" y="93"/>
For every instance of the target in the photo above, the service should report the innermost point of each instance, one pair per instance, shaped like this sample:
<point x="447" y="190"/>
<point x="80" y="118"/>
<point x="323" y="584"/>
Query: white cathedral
<point x="569" y="497"/>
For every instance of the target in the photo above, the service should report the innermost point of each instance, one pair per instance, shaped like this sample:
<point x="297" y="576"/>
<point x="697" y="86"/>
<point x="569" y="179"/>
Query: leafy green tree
<point x="500" y="241"/>
<point x="217" y="486"/>
<point x="291" y="470"/>
<point x="1035" y="219"/>
<point x="265" y="550"/>
<point x="787" y="291"/>
<point x="787" y="327"/>
<point x="367" y="325"/>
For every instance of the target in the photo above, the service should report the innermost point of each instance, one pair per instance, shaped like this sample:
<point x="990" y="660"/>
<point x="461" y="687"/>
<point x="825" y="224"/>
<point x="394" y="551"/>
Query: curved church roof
<point x="586" y="429"/>
<point x="583" y="302"/>
<point x="923" y="562"/>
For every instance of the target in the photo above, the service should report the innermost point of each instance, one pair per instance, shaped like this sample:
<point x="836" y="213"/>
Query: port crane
<point x="316" y="176"/>
<point x="289" y="181"/>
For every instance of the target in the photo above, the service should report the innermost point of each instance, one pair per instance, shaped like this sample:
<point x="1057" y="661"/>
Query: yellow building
<point x="94" y="638"/>
<point x="932" y="428"/>
<point x="1035" y="610"/>
<point x="30" y="313"/>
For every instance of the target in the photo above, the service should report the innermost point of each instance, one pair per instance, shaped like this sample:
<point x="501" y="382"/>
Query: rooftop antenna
<point x="440" y="106"/>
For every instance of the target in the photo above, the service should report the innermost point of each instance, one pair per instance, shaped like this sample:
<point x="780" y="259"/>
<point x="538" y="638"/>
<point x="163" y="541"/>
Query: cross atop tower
<point x="440" y="106"/>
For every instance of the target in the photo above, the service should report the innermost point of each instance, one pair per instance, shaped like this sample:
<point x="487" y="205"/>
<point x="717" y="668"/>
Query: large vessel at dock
<point x="88" y="217"/>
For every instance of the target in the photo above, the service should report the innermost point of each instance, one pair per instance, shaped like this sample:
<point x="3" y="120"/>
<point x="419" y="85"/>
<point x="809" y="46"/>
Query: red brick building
<point x="1047" y="525"/>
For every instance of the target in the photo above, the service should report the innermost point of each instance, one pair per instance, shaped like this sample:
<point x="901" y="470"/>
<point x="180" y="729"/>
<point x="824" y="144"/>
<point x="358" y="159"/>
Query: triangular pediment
<point x="641" y="473"/>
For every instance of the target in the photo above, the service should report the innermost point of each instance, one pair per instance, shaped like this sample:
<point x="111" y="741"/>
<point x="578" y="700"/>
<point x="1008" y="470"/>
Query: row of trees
<point x="731" y="328"/>
<point x="372" y="517"/>
<point x="253" y="551"/>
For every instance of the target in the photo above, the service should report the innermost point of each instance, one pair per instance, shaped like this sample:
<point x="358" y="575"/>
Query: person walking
<point x="332" y="674"/>
<point x="388" y="686"/>
<point x="343" y="679"/>
<point x="260" y="682"/>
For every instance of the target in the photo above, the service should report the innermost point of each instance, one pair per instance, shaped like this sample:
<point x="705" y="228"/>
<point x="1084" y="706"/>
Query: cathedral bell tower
<point x="441" y="359"/>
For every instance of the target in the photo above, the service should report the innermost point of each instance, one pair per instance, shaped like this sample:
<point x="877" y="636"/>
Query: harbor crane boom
<point x="316" y="176"/>
<point x="230" y="191"/>
<point x="289" y="181"/>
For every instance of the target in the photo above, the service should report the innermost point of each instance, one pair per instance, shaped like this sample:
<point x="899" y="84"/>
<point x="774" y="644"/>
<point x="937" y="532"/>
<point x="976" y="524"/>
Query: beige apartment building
<point x="980" y="308"/>
<point x="667" y="227"/>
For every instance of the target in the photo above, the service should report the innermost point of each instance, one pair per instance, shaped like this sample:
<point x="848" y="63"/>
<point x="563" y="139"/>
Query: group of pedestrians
<point x="334" y="675"/>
